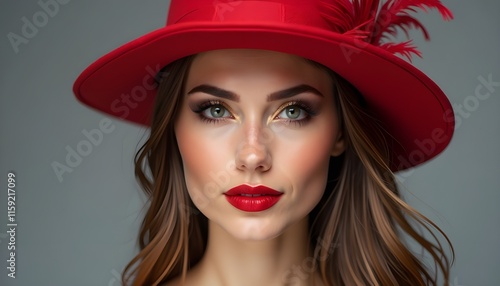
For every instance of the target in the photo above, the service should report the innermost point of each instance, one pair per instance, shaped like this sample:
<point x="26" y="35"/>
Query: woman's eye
<point x="216" y="111"/>
<point x="292" y="112"/>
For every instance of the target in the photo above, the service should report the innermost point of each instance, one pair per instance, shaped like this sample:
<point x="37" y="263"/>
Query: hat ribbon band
<point x="253" y="11"/>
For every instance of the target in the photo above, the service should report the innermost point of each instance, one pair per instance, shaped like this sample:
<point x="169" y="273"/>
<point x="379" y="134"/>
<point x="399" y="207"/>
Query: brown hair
<point x="361" y="223"/>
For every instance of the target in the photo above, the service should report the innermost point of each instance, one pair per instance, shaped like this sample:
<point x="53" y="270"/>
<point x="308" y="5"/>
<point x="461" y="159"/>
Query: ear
<point x="338" y="145"/>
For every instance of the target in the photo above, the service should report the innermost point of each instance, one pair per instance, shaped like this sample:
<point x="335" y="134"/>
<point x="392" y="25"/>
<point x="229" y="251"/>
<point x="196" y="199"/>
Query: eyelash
<point x="206" y="105"/>
<point x="304" y="107"/>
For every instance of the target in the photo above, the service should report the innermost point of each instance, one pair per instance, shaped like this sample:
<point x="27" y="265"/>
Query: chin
<point x="255" y="229"/>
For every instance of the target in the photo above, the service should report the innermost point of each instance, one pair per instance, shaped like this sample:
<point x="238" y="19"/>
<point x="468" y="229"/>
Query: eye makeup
<point x="217" y="111"/>
<point x="206" y="109"/>
<point x="305" y="112"/>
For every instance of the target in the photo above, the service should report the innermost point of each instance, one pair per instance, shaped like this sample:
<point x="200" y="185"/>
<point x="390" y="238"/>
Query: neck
<point x="283" y="260"/>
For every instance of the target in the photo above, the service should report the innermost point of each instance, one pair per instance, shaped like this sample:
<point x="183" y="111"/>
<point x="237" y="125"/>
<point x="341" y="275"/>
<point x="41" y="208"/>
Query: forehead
<point x="254" y="64"/>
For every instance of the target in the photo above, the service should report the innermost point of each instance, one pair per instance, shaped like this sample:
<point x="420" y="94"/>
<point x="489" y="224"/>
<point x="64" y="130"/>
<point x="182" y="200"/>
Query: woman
<point x="275" y="132"/>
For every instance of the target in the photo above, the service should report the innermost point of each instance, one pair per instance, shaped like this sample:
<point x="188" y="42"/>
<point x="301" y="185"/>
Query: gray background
<point x="82" y="231"/>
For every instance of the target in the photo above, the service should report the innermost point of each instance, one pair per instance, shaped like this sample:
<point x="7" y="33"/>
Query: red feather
<point x="338" y="14"/>
<point x="365" y="20"/>
<point x="405" y="49"/>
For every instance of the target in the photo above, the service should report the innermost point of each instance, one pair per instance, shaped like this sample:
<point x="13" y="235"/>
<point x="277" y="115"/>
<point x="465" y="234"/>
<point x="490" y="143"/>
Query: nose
<point x="253" y="153"/>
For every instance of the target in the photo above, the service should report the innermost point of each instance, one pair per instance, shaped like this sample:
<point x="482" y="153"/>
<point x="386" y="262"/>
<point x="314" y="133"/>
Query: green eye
<point x="217" y="111"/>
<point x="292" y="112"/>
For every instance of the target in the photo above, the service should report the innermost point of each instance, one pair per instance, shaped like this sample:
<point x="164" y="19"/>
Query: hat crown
<point x="301" y="12"/>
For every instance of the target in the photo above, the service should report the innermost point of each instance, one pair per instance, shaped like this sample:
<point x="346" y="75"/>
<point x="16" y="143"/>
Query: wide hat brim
<point x="411" y="107"/>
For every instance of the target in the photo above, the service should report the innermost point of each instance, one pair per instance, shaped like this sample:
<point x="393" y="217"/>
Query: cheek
<point x="205" y="160"/>
<point x="308" y="168"/>
<point x="306" y="163"/>
<point x="197" y="154"/>
<point x="194" y="162"/>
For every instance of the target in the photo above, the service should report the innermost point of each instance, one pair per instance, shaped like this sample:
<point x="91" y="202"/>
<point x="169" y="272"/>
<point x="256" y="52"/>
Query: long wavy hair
<point x="359" y="231"/>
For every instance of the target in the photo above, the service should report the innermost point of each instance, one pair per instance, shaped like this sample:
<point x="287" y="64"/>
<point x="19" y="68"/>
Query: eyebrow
<point x="282" y="94"/>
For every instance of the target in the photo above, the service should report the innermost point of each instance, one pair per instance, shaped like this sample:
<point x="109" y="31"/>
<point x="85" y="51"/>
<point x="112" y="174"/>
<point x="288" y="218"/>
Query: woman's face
<point x="255" y="118"/>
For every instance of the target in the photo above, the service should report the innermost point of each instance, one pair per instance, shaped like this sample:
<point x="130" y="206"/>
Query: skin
<point x="257" y="142"/>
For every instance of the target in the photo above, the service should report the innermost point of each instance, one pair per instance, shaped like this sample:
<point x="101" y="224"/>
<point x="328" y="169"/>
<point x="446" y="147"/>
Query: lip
<point x="252" y="199"/>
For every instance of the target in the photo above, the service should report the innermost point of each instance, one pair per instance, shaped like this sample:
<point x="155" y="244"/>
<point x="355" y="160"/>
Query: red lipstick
<point x="252" y="199"/>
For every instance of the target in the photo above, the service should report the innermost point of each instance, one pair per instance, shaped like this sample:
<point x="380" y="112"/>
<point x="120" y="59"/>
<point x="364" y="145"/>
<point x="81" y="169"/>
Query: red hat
<point x="348" y="36"/>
